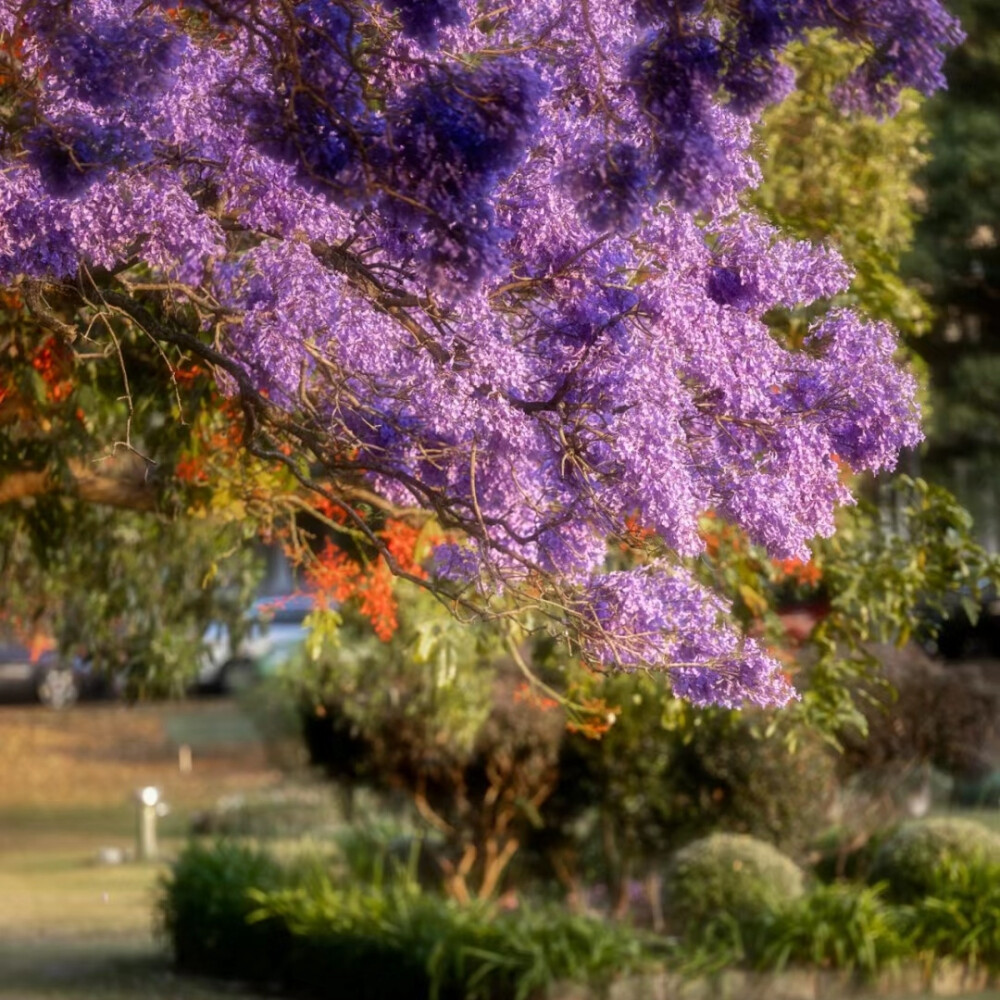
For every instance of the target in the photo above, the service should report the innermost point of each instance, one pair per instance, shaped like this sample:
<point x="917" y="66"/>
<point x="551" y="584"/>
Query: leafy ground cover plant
<point x="390" y="941"/>
<point x="233" y="910"/>
<point x="204" y="908"/>
<point x="959" y="917"/>
<point x="844" y="926"/>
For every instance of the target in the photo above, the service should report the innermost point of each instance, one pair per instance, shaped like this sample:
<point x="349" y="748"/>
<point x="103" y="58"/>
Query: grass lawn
<point x="74" y="929"/>
<point x="61" y="970"/>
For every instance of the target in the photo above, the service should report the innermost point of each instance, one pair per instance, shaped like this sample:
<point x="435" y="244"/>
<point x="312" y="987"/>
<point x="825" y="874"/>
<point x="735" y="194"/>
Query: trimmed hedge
<point x="728" y="875"/>
<point x="910" y="860"/>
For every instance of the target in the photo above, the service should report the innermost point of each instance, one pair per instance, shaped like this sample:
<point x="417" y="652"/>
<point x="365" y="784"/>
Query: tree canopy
<point x="956" y="264"/>
<point x="493" y="267"/>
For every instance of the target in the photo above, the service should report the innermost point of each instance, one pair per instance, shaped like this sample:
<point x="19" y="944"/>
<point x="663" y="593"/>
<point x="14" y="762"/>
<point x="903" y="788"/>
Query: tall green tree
<point x="956" y="264"/>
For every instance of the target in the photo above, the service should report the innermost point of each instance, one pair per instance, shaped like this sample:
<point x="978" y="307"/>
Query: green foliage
<point x="846" y="179"/>
<point x="131" y="568"/>
<point x="388" y="942"/>
<point x="959" y="918"/>
<point x="878" y="569"/>
<point x="728" y="874"/>
<point x="841" y="926"/>
<point x="134" y="591"/>
<point x="911" y="861"/>
<point x="667" y="773"/>
<point x="841" y="853"/>
<point x="892" y="570"/>
<point x="956" y="264"/>
<point x="434" y="692"/>
<point x="234" y="911"/>
<point x="205" y="905"/>
<point x="962" y="197"/>
<point x="443" y="724"/>
<point x="888" y="573"/>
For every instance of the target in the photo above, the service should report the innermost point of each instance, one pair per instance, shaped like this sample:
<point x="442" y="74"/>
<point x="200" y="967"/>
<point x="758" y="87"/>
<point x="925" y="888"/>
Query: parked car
<point x="43" y="675"/>
<point x="275" y="633"/>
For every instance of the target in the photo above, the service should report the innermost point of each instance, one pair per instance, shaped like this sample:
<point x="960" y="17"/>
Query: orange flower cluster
<point x="54" y="363"/>
<point x="378" y="600"/>
<point x="528" y="694"/>
<point x="216" y="441"/>
<point x="191" y="469"/>
<point x="339" y="578"/>
<point x="401" y="540"/>
<point x="334" y="574"/>
<point x="805" y="573"/>
<point x="720" y="535"/>
<point x="635" y="534"/>
<point x="593" y="718"/>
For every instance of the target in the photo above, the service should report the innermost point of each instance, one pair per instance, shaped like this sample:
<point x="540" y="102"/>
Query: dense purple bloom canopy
<point x="494" y="255"/>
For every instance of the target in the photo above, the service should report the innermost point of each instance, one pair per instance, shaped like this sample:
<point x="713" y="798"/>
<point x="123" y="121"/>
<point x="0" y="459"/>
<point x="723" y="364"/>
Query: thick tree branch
<point x="115" y="482"/>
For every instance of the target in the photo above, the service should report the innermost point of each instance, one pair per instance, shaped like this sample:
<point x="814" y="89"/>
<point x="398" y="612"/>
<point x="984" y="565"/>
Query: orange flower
<point x="805" y="573"/>
<point x="401" y="540"/>
<point x="333" y="574"/>
<point x="529" y="695"/>
<point x="378" y="602"/>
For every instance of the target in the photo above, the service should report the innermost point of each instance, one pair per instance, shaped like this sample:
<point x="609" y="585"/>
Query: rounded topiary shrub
<point x="727" y="874"/>
<point x="910" y="857"/>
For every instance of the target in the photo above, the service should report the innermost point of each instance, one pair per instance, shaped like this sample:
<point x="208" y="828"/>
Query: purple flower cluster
<point x="455" y="136"/>
<point x="422" y="19"/>
<point x="494" y="261"/>
<point x="659" y="614"/>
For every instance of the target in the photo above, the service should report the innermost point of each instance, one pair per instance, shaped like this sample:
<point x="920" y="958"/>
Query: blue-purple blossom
<point x="660" y="614"/>
<point x="496" y="265"/>
<point x="422" y="19"/>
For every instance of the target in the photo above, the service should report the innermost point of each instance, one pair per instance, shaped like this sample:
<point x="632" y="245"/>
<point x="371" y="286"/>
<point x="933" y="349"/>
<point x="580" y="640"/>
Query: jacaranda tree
<point x="486" y="264"/>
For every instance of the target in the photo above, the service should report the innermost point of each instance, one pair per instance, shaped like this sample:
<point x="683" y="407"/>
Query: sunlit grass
<point x="124" y="971"/>
<point x="70" y="927"/>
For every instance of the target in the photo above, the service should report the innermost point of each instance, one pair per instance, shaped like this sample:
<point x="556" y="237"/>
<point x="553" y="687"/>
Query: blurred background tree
<point x="955" y="264"/>
<point x="129" y="514"/>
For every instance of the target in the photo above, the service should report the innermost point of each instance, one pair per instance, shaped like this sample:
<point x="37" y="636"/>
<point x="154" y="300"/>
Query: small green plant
<point x="841" y="926"/>
<point x="959" y="918"/>
<point x="204" y="908"/>
<point x="727" y="875"/>
<point x="394" y="941"/>
<point x="233" y="910"/>
<point x="910" y="861"/>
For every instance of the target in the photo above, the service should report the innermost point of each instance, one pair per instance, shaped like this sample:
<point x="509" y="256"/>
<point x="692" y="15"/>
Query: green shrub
<point x="728" y="875"/>
<point x="384" y="943"/>
<point x="232" y="910"/>
<point x="910" y="860"/>
<point x="959" y="918"/>
<point x="841" y="926"/>
<point x="205" y="905"/>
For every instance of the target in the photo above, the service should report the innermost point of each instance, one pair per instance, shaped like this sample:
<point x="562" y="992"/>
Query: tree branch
<point x="114" y="483"/>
